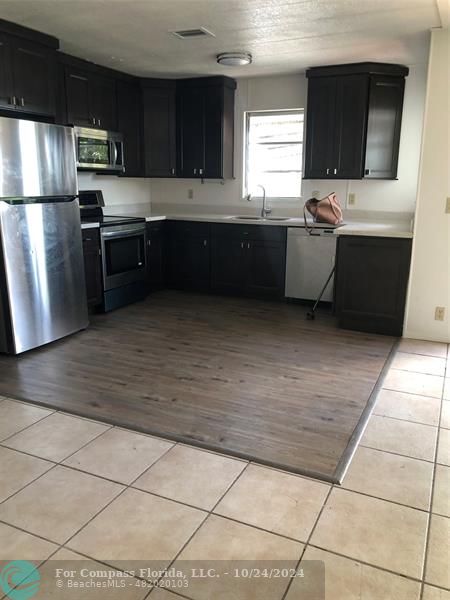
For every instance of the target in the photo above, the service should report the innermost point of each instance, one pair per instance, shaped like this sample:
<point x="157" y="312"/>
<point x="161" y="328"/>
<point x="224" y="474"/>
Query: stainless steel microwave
<point x="99" y="150"/>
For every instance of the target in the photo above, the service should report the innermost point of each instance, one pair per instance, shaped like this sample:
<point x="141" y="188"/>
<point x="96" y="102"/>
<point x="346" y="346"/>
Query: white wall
<point x="117" y="190"/>
<point x="286" y="92"/>
<point x="430" y="273"/>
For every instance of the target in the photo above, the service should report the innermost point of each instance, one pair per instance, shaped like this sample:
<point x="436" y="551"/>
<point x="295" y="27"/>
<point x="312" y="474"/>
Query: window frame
<point x="247" y="116"/>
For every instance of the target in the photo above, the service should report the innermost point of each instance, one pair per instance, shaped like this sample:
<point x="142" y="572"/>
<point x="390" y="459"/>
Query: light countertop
<point x="366" y="224"/>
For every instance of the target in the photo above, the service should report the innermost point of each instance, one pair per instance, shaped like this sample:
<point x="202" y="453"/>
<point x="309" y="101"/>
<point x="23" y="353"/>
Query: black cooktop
<point x="106" y="220"/>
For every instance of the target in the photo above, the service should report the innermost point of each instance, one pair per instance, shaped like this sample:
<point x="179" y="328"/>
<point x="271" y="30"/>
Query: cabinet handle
<point x="22" y="101"/>
<point x="205" y="242"/>
<point x="93" y="120"/>
<point x="195" y="171"/>
<point x="99" y="122"/>
<point x="14" y="101"/>
<point x="328" y="171"/>
<point x="248" y="245"/>
<point x="149" y="243"/>
<point x="335" y="171"/>
<point x="172" y="170"/>
<point x="99" y="251"/>
<point x="200" y="171"/>
<point x="242" y="245"/>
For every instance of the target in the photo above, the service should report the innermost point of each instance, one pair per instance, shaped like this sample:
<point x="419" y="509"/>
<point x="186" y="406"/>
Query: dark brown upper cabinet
<point x="353" y="121"/>
<point x="205" y="126"/>
<point x="90" y="97"/>
<point x="27" y="76"/>
<point x="129" y="123"/>
<point x="159" y="115"/>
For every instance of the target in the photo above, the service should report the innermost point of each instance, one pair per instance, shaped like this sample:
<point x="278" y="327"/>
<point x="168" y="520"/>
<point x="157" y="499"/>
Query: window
<point x="273" y="153"/>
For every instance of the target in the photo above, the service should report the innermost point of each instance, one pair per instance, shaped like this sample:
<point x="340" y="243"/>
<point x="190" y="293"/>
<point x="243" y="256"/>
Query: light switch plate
<point x="447" y="206"/>
<point x="351" y="199"/>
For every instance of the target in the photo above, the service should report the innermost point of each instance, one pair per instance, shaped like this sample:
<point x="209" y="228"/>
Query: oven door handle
<point x="124" y="233"/>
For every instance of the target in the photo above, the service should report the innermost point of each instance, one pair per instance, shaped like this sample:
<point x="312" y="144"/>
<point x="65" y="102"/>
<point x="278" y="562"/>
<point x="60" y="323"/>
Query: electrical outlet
<point x="439" y="313"/>
<point x="351" y="199"/>
<point x="190" y="194"/>
<point x="447" y="206"/>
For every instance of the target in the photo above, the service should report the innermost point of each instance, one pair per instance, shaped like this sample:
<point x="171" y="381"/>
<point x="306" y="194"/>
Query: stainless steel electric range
<point x="123" y="251"/>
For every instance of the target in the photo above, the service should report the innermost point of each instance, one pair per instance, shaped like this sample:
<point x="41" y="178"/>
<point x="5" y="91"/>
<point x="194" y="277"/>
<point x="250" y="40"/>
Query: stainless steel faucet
<point x="264" y="210"/>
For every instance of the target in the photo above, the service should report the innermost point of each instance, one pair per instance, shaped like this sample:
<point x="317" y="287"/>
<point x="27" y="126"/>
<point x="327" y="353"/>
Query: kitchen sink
<point x="278" y="218"/>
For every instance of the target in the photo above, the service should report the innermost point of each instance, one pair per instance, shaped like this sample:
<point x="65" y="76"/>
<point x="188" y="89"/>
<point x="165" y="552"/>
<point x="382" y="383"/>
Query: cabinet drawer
<point x="189" y="228"/>
<point x="269" y="233"/>
<point x="155" y="227"/>
<point x="90" y="237"/>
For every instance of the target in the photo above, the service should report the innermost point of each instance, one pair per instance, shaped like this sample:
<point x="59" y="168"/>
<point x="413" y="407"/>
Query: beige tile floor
<point x="75" y="490"/>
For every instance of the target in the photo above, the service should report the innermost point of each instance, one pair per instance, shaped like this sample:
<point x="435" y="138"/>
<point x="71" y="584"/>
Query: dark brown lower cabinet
<point x="371" y="283"/>
<point x="92" y="266"/>
<point x="248" y="260"/>
<point x="188" y="255"/>
<point x="155" y="255"/>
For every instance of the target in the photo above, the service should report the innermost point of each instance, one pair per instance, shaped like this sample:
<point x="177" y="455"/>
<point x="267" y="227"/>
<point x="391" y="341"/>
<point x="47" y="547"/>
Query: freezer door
<point x="36" y="160"/>
<point x="42" y="272"/>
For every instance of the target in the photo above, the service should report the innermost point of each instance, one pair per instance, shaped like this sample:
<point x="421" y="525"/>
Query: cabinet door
<point x="155" y="256"/>
<point x="214" y="97"/>
<point x="320" y="127"/>
<point x="103" y="101"/>
<point x="350" y="133"/>
<point x="383" y="128"/>
<point x="191" y="132"/>
<point x="77" y="97"/>
<point x="34" y="74"/>
<point x="6" y="90"/>
<point x="371" y="282"/>
<point x="160" y="131"/>
<point x="266" y="265"/>
<point x="189" y="263"/>
<point x="228" y="264"/>
<point x="129" y="125"/>
<point x="92" y="267"/>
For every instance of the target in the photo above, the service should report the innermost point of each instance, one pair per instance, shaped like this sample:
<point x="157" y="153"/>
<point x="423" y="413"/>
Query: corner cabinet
<point x="205" y="127"/>
<point x="371" y="283"/>
<point x="353" y="121"/>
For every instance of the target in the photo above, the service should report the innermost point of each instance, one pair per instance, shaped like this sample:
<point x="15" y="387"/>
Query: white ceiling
<point x="284" y="36"/>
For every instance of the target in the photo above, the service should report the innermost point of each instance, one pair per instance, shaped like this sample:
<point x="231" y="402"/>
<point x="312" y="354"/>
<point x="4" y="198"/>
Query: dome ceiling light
<point x="234" y="59"/>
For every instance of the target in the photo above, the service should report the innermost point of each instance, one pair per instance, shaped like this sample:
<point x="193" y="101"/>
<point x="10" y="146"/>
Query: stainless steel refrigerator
<point x="42" y="285"/>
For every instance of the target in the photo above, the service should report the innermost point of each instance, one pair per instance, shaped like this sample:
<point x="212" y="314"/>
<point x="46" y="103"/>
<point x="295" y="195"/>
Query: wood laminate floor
<point x="245" y="377"/>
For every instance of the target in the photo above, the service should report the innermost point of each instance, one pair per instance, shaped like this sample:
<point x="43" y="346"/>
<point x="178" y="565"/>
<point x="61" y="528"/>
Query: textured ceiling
<point x="284" y="36"/>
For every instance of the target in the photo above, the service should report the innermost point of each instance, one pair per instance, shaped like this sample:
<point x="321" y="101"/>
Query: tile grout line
<point x="8" y="437"/>
<point x="430" y="514"/>
<point x="431" y="462"/>
<point x="54" y="463"/>
<point x="375" y="414"/>
<point x="308" y="540"/>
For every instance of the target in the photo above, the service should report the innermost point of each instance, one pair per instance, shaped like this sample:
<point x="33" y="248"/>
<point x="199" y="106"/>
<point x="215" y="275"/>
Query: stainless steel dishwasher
<point x="310" y="259"/>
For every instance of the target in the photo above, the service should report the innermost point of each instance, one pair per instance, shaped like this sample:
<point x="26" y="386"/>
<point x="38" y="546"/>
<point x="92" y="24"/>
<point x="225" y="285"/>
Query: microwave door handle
<point x="113" y="152"/>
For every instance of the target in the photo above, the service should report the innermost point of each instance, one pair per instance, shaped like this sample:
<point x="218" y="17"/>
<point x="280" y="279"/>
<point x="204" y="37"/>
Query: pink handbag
<point x="326" y="210"/>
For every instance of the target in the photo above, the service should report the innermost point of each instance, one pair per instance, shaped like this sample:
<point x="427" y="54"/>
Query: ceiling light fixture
<point x="234" y="59"/>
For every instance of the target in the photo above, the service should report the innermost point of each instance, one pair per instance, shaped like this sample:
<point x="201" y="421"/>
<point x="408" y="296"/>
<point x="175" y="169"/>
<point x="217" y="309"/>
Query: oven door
<point x="123" y="255"/>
